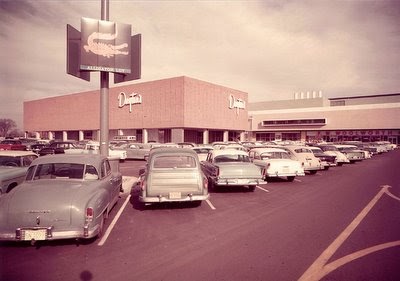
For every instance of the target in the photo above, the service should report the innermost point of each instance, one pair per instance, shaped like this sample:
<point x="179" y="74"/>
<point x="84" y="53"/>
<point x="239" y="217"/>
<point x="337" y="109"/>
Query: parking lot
<point x="340" y="224"/>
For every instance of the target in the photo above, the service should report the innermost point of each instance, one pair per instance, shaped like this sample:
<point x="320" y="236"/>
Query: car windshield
<point x="174" y="162"/>
<point x="62" y="171"/>
<point x="231" y="158"/>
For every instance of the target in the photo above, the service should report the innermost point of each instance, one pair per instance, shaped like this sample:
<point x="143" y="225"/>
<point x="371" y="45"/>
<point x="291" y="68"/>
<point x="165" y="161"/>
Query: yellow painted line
<point x="320" y="267"/>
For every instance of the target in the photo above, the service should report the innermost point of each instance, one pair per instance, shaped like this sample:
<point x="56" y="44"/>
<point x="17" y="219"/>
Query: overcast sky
<point x="269" y="49"/>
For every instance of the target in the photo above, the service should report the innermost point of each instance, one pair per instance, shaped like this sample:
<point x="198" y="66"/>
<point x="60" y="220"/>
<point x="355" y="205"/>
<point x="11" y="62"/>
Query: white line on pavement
<point x="210" y="204"/>
<point x="114" y="221"/>
<point x="263" y="189"/>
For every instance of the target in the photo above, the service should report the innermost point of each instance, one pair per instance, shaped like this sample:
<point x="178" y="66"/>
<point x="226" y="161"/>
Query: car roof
<point x="268" y="149"/>
<point x="168" y="150"/>
<point x="91" y="159"/>
<point x="16" y="153"/>
<point x="228" y="151"/>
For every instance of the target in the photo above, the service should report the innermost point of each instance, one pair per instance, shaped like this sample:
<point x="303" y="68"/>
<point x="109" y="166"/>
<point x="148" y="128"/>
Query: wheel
<point x="313" y="172"/>
<point x="290" y="179"/>
<point x="252" y="188"/>
<point x="12" y="164"/>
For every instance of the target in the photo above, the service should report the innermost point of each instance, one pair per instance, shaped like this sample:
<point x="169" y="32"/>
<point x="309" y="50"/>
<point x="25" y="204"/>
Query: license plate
<point x="175" y="195"/>
<point x="34" y="234"/>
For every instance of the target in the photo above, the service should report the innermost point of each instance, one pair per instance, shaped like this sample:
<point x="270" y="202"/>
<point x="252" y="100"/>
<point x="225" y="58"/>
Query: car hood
<point x="48" y="200"/>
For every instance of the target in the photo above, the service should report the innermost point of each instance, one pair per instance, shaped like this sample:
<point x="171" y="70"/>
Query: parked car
<point x="13" y="167"/>
<point x="352" y="152"/>
<point x="134" y="150"/>
<point x="231" y="167"/>
<point x="172" y="175"/>
<point x="63" y="196"/>
<point x="303" y="154"/>
<point x="36" y="147"/>
<point x="276" y="162"/>
<point x="57" y="147"/>
<point x="332" y="150"/>
<point x="12" y="144"/>
<point x="202" y="151"/>
<point x="326" y="159"/>
<point x="94" y="148"/>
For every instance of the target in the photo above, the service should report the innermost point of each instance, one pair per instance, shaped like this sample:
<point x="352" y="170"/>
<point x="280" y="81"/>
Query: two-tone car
<point x="351" y="152"/>
<point x="303" y="154"/>
<point x="327" y="160"/>
<point x="63" y="196"/>
<point x="172" y="175"/>
<point x="13" y="167"/>
<point x="231" y="167"/>
<point x="276" y="162"/>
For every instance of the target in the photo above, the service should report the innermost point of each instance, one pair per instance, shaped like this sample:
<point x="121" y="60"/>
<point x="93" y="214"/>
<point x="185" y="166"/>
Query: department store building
<point x="183" y="109"/>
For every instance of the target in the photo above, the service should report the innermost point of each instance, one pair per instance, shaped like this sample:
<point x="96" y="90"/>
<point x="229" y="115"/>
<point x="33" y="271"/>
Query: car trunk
<point x="42" y="204"/>
<point x="164" y="181"/>
<point x="239" y="170"/>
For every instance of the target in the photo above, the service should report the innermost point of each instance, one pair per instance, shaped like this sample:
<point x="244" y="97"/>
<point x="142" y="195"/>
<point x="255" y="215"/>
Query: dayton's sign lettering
<point x="105" y="46"/>
<point x="236" y="103"/>
<point x="132" y="99"/>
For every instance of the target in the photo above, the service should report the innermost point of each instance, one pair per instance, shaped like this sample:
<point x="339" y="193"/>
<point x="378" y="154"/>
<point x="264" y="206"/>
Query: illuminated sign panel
<point x="105" y="46"/>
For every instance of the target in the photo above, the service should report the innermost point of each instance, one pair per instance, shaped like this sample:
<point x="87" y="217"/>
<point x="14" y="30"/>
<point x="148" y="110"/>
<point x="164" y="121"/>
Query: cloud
<point x="269" y="49"/>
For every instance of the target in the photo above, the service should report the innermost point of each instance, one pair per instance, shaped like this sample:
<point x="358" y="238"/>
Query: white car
<point x="332" y="150"/>
<point x="94" y="147"/>
<point x="303" y="154"/>
<point x="202" y="151"/>
<point x="276" y="162"/>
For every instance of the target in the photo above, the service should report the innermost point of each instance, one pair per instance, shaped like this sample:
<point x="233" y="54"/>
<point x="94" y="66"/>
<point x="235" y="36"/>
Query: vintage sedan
<point x="311" y="164"/>
<point x="326" y="159"/>
<point x="231" y="167"/>
<point x="172" y="175"/>
<point x="330" y="149"/>
<point x="275" y="162"/>
<point x="352" y="152"/>
<point x="13" y="167"/>
<point x="63" y="196"/>
<point x="202" y="151"/>
<point x="134" y="150"/>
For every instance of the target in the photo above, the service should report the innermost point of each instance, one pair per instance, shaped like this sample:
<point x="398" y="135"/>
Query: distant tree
<point x="6" y="126"/>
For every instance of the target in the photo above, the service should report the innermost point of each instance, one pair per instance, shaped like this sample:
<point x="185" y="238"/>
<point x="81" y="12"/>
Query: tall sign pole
<point x="104" y="46"/>
<point x="104" y="93"/>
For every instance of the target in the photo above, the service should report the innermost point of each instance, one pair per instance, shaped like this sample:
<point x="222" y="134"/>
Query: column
<point x="145" y="136"/>
<point x="206" y="139"/>
<point x="50" y="136"/>
<point x="65" y="136"/>
<point x="81" y="136"/>
<point x="226" y="136"/>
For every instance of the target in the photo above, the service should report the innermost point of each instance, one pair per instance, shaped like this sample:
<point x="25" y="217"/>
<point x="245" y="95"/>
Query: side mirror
<point x="142" y="171"/>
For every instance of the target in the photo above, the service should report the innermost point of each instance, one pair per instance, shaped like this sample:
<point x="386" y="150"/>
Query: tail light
<point x="217" y="172"/>
<point x="205" y="183"/>
<point x="302" y="164"/>
<point x="143" y="185"/>
<point x="89" y="214"/>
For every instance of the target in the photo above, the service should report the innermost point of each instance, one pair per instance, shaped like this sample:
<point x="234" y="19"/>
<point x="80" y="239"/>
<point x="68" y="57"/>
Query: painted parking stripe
<point x="321" y="267"/>
<point x="263" y="189"/>
<point x="210" y="204"/>
<point x="297" y="180"/>
<point x="114" y="221"/>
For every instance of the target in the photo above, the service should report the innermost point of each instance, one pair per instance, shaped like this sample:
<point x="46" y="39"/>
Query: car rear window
<point x="59" y="170"/>
<point x="161" y="162"/>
